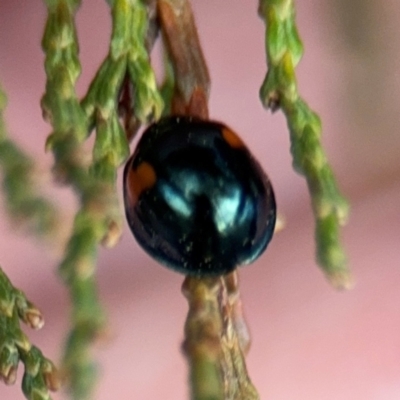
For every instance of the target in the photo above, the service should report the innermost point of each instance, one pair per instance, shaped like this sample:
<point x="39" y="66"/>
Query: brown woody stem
<point x="192" y="81"/>
<point x="216" y="335"/>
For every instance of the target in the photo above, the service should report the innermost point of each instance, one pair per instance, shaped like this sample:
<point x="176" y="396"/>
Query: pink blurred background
<point x="309" y="341"/>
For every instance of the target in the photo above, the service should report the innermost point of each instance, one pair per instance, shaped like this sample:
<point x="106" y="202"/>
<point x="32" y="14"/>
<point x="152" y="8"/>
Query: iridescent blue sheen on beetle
<point x="196" y="199"/>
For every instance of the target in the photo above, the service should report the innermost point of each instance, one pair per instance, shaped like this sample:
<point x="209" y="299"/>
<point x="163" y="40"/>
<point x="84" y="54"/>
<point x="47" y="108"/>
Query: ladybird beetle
<point x="196" y="199"/>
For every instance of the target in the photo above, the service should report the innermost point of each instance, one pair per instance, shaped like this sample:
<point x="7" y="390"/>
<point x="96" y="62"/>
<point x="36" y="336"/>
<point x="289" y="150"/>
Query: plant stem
<point x="216" y="336"/>
<point x="40" y="374"/>
<point x="24" y="204"/>
<point x="191" y="78"/>
<point x="216" y="340"/>
<point x="95" y="220"/>
<point x="279" y="90"/>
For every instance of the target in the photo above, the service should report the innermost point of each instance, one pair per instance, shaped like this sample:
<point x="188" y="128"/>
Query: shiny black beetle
<point x="196" y="199"/>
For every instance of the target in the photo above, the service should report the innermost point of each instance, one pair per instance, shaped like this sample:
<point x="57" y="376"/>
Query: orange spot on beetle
<point x="232" y="138"/>
<point x="140" y="179"/>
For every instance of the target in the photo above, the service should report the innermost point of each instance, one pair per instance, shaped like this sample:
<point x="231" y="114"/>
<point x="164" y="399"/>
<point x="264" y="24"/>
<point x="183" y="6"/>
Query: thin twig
<point x="279" y="90"/>
<point x="192" y="81"/>
<point x="93" y="221"/>
<point x="214" y="344"/>
<point x="216" y="335"/>
<point x="26" y="207"/>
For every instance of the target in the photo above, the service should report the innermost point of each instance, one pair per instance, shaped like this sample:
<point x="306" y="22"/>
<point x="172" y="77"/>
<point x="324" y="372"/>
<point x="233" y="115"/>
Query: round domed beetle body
<point x="196" y="199"/>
